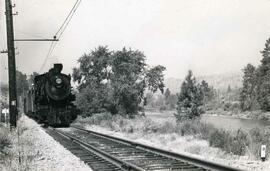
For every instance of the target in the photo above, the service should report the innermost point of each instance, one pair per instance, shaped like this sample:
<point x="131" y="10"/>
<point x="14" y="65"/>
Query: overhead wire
<point x="60" y="32"/>
<point x="68" y="16"/>
<point x="68" y="21"/>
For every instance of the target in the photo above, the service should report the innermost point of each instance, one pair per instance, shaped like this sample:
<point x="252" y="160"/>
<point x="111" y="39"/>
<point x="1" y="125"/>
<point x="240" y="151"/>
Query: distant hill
<point x="219" y="81"/>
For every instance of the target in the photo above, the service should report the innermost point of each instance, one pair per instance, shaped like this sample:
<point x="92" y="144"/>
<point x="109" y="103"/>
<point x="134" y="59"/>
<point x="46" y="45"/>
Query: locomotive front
<point x="53" y="98"/>
<point x="57" y="86"/>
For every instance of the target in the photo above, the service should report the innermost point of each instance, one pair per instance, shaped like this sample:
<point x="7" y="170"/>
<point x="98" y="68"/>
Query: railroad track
<point x="113" y="153"/>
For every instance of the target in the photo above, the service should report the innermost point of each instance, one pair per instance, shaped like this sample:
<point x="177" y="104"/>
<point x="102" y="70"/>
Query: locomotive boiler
<point x="50" y="99"/>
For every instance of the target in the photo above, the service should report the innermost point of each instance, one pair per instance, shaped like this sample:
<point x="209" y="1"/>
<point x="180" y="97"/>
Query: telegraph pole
<point x="13" y="113"/>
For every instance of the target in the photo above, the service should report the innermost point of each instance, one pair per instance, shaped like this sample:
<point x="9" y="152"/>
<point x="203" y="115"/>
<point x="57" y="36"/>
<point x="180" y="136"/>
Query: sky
<point x="206" y="36"/>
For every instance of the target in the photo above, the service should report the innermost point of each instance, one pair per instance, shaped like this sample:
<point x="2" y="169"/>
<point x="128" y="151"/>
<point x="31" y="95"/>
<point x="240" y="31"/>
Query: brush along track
<point x="135" y="156"/>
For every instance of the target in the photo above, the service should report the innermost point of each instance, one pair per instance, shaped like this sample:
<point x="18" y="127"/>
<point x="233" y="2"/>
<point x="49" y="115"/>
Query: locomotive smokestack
<point x="58" y="67"/>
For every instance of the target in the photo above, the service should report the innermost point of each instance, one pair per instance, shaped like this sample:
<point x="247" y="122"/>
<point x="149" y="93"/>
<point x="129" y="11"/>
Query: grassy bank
<point x="15" y="148"/>
<point x="239" y="143"/>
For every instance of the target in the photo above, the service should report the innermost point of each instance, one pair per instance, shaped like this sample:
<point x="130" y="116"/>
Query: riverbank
<point x="192" y="138"/>
<point x="255" y="115"/>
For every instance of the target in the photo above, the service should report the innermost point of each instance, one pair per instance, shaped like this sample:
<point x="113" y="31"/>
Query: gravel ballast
<point x="39" y="151"/>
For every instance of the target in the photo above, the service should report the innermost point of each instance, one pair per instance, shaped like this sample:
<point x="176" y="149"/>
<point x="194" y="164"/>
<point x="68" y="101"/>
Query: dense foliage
<point x="248" y="95"/>
<point x="256" y="84"/>
<point x="190" y="99"/>
<point x="115" y="81"/>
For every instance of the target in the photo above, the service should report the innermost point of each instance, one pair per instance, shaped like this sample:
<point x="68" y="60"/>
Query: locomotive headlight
<point x="58" y="80"/>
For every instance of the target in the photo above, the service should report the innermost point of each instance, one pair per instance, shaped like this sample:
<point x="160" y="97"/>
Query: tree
<point x="91" y="77"/>
<point x="207" y="92"/>
<point x="155" y="78"/>
<point x="190" y="99"/>
<point x="248" y="93"/>
<point x="22" y="83"/>
<point x="263" y="75"/>
<point x="116" y="80"/>
<point x="94" y="68"/>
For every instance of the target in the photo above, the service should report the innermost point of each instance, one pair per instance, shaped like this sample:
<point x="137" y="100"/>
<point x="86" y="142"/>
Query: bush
<point x="5" y="141"/>
<point x="167" y="127"/>
<point x="219" y="138"/>
<point x="227" y="141"/>
<point x="257" y="137"/>
<point x="238" y="143"/>
<point x="95" y="119"/>
<point x="195" y="127"/>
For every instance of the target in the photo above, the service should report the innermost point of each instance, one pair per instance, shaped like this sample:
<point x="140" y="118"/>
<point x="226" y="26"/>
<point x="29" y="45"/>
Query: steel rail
<point x="121" y="163"/>
<point x="192" y="160"/>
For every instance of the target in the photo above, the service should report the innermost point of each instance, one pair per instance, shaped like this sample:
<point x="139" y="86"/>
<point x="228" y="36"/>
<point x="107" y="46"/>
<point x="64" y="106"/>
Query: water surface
<point x="222" y="122"/>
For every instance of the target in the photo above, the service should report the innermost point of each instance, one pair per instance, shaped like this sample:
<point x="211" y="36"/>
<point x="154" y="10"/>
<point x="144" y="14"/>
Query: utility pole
<point x="13" y="112"/>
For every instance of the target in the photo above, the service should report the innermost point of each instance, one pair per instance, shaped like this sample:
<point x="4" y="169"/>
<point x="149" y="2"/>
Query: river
<point x="222" y="122"/>
<point x="230" y="123"/>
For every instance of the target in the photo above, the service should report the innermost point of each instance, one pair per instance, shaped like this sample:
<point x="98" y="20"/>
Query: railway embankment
<point x="29" y="147"/>
<point x="238" y="149"/>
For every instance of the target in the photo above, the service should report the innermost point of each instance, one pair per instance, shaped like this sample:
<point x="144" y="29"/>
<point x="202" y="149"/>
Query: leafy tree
<point x="91" y="77"/>
<point x="190" y="99"/>
<point x="128" y="68"/>
<point x="248" y="94"/>
<point x="263" y="74"/>
<point x="155" y="78"/>
<point x="93" y="69"/>
<point x="115" y="81"/>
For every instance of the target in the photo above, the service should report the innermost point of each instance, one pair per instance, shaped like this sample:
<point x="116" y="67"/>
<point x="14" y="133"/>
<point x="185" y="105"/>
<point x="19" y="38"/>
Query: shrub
<point x="257" y="137"/>
<point x="238" y="143"/>
<point x="206" y="130"/>
<point x="219" y="138"/>
<point x="96" y="119"/>
<point x="167" y="127"/>
<point x="5" y="141"/>
<point x="230" y="143"/>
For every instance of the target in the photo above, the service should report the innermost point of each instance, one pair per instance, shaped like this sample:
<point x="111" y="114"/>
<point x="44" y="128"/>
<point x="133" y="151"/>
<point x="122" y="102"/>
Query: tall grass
<point x="17" y="150"/>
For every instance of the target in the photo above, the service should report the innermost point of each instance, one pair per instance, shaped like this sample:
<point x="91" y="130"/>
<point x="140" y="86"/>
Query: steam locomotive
<point x="50" y="99"/>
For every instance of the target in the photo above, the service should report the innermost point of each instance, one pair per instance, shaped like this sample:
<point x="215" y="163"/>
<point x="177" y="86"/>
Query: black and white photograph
<point x="134" y="85"/>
